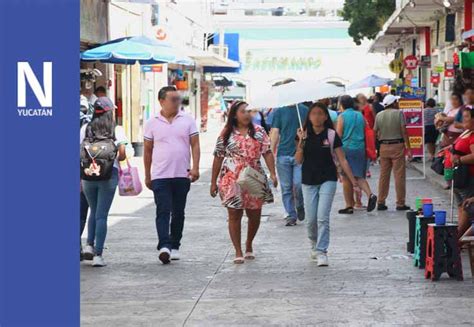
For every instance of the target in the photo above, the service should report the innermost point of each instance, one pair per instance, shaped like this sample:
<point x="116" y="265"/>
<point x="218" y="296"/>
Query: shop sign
<point x="435" y="78"/>
<point x="409" y="92"/>
<point x="410" y="62"/>
<point x="396" y="66"/>
<point x="413" y="112"/>
<point x="425" y="61"/>
<point x="152" y="68"/>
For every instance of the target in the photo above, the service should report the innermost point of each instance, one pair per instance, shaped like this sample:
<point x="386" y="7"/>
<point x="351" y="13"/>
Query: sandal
<point x="239" y="260"/>
<point x="249" y="256"/>
<point x="347" y="211"/>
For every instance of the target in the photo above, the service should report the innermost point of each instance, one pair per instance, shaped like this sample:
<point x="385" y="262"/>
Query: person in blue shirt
<point x="285" y="124"/>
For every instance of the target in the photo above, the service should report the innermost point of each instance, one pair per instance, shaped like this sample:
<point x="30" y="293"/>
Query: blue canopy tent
<point x="370" y="81"/>
<point x="129" y="50"/>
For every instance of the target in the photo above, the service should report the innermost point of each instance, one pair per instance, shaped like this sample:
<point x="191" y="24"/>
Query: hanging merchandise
<point x="396" y="66"/>
<point x="449" y="70"/>
<point x="439" y="68"/>
<point x="467" y="60"/>
<point x="435" y="78"/>
<point x="456" y="59"/>
<point x="425" y="61"/>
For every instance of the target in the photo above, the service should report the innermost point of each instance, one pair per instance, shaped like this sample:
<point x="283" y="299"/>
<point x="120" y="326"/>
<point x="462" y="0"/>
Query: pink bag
<point x="129" y="181"/>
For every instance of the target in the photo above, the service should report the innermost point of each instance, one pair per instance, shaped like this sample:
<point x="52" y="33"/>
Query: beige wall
<point x="93" y="16"/>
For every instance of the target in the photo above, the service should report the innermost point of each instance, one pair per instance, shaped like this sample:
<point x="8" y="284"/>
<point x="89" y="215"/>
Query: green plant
<point x="366" y="17"/>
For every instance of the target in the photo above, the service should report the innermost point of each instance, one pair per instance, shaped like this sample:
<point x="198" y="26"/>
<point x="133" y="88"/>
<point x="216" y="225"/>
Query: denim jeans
<point x="289" y="173"/>
<point x="99" y="195"/>
<point x="318" y="202"/>
<point x="170" y="199"/>
<point x="84" y="211"/>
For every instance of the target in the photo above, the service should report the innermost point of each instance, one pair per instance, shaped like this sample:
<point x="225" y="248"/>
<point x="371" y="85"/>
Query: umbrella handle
<point x="299" y="116"/>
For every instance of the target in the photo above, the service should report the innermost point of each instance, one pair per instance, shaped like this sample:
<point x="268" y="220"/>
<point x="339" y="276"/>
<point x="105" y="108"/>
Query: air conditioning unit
<point x="222" y="51"/>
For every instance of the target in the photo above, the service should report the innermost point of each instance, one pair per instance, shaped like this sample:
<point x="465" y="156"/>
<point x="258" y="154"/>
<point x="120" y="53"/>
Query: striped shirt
<point x="429" y="115"/>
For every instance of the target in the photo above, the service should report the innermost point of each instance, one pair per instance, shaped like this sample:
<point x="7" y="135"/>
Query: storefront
<point x="431" y="37"/>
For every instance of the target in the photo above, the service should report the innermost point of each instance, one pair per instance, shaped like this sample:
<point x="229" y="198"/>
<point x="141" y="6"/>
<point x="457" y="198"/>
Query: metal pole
<point x="452" y="200"/>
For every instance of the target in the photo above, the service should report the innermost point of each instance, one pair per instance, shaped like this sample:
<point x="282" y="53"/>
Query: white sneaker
<point x="314" y="255"/>
<point x="323" y="260"/>
<point x="98" y="261"/>
<point x="164" y="255"/>
<point x="175" y="254"/>
<point x="89" y="252"/>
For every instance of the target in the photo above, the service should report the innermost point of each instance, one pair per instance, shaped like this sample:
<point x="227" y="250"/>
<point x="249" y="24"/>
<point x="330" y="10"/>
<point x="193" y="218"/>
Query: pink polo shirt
<point x="171" y="145"/>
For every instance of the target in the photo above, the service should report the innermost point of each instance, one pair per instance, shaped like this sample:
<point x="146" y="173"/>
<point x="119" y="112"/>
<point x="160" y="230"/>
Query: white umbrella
<point x="295" y="93"/>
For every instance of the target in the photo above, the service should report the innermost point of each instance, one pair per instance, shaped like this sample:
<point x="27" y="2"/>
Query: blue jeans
<point x="318" y="202"/>
<point x="289" y="173"/>
<point x="100" y="195"/>
<point x="170" y="199"/>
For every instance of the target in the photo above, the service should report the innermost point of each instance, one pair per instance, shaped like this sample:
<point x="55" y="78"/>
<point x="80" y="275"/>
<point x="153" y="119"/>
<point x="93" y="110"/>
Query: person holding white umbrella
<point x="285" y="125"/>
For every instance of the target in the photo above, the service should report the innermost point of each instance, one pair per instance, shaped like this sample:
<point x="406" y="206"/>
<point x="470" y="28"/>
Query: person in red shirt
<point x="367" y="110"/>
<point x="464" y="155"/>
<point x="369" y="114"/>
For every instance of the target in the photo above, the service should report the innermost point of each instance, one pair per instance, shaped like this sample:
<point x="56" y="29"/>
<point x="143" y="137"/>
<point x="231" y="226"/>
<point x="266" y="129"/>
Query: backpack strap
<point x="331" y="138"/>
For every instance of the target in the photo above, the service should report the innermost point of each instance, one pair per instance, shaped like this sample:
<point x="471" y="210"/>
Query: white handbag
<point x="252" y="181"/>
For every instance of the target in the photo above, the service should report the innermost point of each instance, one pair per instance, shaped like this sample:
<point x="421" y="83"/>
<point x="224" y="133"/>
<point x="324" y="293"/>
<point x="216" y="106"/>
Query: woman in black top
<point x="320" y="151"/>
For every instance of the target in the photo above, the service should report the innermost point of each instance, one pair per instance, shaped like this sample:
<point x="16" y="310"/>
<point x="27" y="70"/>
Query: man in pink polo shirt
<point x="170" y="137"/>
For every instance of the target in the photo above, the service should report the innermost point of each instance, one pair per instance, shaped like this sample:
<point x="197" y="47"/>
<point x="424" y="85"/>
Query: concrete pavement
<point x="371" y="280"/>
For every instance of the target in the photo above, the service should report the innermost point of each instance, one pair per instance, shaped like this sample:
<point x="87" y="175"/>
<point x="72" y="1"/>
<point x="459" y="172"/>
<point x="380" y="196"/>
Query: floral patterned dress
<point x="242" y="151"/>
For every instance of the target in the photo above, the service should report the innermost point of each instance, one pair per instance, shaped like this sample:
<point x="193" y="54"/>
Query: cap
<point x="103" y="104"/>
<point x="390" y="99"/>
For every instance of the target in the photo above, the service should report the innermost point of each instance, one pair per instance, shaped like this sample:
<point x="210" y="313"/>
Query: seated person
<point x="466" y="218"/>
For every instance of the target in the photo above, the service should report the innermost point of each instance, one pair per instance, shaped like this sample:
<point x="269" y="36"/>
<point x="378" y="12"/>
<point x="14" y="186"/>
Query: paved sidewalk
<point x="370" y="281"/>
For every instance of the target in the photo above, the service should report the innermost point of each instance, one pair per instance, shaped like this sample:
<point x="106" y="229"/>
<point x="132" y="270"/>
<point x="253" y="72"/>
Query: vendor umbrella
<point x="370" y="81"/>
<point x="129" y="50"/>
<point x="295" y="93"/>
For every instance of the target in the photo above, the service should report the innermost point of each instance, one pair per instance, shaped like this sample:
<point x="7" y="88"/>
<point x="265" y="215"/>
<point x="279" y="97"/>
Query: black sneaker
<point x="372" y="203"/>
<point x="290" y="222"/>
<point x="403" y="208"/>
<point x="346" y="211"/>
<point x="300" y="213"/>
<point x="381" y="207"/>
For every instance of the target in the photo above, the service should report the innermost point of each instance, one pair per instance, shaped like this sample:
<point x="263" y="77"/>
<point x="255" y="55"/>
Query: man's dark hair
<point x="164" y="90"/>
<point x="379" y="97"/>
<point x="431" y="103"/>
<point x="100" y="89"/>
<point x="347" y="102"/>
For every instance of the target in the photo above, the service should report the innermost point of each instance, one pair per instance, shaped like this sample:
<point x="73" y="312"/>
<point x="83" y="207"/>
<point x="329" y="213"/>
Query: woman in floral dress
<point x="241" y="144"/>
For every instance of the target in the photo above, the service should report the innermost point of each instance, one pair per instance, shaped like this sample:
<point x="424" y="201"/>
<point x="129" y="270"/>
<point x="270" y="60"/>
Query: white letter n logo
<point x="45" y="95"/>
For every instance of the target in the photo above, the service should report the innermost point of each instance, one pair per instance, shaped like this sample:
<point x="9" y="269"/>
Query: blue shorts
<point x="357" y="161"/>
